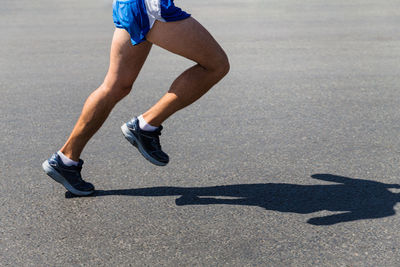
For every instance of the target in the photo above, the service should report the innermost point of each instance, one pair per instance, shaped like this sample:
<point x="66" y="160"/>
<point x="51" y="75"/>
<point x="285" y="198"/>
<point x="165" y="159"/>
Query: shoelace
<point x="79" y="167"/>
<point x="156" y="138"/>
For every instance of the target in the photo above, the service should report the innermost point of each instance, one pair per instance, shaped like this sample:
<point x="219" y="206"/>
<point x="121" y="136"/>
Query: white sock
<point x="145" y="126"/>
<point x="67" y="161"/>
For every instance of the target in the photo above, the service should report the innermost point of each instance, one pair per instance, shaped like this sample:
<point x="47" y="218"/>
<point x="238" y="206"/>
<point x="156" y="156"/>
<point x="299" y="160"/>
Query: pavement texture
<point x="292" y="160"/>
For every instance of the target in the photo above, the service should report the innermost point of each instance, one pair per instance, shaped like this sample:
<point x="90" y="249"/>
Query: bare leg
<point x="126" y="62"/>
<point x="190" y="39"/>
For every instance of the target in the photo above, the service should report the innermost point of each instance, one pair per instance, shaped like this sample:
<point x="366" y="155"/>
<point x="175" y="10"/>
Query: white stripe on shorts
<point x="153" y="9"/>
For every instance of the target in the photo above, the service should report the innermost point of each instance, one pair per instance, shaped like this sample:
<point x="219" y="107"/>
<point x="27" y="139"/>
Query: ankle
<point x="145" y="126"/>
<point x="67" y="160"/>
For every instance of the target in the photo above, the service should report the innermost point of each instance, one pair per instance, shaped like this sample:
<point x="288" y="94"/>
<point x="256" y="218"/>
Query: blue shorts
<point x="138" y="16"/>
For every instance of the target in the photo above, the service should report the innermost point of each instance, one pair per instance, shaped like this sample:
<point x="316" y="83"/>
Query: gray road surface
<point x="292" y="160"/>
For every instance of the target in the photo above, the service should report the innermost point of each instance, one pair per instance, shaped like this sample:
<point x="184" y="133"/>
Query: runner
<point x="139" y="25"/>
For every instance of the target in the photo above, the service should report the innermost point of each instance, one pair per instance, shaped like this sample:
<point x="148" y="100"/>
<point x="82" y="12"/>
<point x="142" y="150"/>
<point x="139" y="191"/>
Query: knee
<point x="224" y="66"/>
<point x="221" y="65"/>
<point x="116" y="91"/>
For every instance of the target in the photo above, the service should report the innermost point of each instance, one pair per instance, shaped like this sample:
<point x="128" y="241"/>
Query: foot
<point x="148" y="143"/>
<point x="69" y="176"/>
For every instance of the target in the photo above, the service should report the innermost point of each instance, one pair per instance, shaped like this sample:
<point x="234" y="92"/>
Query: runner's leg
<point x="189" y="39"/>
<point x="126" y="62"/>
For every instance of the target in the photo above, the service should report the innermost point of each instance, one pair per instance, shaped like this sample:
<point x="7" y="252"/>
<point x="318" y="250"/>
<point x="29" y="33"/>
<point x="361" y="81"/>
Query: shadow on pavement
<point x="354" y="199"/>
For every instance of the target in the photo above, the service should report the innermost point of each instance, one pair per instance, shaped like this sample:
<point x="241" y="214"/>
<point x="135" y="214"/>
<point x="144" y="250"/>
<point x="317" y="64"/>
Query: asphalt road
<point x="292" y="160"/>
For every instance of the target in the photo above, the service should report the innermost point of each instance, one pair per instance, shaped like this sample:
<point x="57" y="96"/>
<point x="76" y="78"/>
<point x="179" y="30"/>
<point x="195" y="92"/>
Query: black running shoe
<point x="148" y="143"/>
<point x="69" y="176"/>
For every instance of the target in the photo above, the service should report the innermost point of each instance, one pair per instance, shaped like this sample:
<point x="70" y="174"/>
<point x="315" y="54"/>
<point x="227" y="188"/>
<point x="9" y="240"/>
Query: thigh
<point x="126" y="60"/>
<point x="187" y="38"/>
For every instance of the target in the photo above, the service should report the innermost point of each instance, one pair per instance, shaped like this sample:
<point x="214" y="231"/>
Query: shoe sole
<point x="56" y="176"/>
<point x="133" y="140"/>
